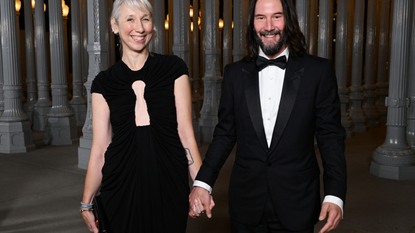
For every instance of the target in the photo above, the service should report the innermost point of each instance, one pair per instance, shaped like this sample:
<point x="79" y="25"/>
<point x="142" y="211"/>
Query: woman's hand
<point x="89" y="219"/>
<point x="200" y="201"/>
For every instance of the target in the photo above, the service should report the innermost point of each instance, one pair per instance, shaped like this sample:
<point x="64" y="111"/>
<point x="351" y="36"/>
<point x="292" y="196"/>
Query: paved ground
<point x="40" y="191"/>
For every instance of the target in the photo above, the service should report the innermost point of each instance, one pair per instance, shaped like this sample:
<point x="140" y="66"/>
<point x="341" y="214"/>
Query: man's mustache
<point x="272" y="32"/>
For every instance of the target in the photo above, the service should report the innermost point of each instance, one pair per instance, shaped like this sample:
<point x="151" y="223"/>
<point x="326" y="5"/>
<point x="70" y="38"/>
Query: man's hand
<point x="200" y="200"/>
<point x="334" y="216"/>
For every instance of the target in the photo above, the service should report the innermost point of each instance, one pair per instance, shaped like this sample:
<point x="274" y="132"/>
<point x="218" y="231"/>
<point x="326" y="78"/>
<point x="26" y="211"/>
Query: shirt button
<point x="269" y="164"/>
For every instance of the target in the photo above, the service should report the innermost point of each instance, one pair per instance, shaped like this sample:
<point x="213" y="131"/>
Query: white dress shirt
<point x="271" y="80"/>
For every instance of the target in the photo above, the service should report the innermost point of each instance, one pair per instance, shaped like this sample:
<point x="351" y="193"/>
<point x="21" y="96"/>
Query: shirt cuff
<point x="202" y="184"/>
<point x="334" y="200"/>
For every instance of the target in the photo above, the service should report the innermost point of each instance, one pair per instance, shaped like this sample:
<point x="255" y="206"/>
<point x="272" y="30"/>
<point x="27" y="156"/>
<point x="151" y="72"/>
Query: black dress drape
<point x="145" y="176"/>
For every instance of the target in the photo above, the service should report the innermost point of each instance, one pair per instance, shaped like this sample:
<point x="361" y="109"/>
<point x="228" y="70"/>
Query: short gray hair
<point x="134" y="4"/>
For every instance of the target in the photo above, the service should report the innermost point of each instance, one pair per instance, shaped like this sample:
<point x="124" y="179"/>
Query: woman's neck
<point x="134" y="60"/>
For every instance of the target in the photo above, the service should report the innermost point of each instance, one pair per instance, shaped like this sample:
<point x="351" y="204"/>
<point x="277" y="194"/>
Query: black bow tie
<point x="262" y="62"/>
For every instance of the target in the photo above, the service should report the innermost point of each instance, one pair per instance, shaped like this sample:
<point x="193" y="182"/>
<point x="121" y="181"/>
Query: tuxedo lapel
<point x="253" y="102"/>
<point x="292" y="81"/>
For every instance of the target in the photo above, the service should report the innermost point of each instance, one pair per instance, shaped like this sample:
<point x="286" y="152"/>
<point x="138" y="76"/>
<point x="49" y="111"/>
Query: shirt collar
<point x="285" y="53"/>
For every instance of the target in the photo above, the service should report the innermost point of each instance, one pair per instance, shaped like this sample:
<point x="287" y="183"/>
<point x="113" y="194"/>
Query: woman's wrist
<point x="86" y="207"/>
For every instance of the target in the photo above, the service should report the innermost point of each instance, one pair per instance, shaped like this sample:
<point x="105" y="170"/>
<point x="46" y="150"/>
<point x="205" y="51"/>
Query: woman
<point x="143" y="142"/>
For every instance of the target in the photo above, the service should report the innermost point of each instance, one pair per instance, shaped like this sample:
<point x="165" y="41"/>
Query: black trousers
<point x="270" y="223"/>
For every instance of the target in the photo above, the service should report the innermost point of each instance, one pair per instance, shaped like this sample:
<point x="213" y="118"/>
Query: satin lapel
<point x="253" y="102"/>
<point x="292" y="81"/>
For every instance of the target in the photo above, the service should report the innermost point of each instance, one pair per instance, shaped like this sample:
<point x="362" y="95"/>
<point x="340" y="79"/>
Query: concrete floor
<point x="40" y="191"/>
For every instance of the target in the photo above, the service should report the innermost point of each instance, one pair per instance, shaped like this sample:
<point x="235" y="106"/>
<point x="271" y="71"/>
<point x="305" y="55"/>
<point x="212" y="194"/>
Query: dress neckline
<point x="136" y="71"/>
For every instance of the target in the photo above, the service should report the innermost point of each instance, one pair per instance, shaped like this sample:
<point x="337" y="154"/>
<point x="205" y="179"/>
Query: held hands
<point x="90" y="221"/>
<point x="334" y="216"/>
<point x="200" y="200"/>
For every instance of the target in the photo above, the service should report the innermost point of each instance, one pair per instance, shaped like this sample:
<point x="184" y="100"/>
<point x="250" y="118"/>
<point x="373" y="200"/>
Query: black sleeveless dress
<point x="145" y="176"/>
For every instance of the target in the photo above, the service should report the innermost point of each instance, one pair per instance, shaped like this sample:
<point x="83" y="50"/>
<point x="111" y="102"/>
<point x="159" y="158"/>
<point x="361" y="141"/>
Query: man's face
<point x="269" y="25"/>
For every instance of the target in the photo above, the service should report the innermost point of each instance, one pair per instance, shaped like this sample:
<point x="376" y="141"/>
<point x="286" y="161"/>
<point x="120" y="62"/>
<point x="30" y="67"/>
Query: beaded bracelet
<point x="86" y="207"/>
<point x="83" y="210"/>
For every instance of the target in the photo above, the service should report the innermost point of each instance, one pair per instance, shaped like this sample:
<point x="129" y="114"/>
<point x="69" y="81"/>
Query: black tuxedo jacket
<point x="288" y="169"/>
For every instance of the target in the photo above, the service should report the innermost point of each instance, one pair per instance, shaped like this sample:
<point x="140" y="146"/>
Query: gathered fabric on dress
<point x="145" y="176"/>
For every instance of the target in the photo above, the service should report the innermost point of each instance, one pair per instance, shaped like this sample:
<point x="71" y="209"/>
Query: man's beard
<point x="271" y="49"/>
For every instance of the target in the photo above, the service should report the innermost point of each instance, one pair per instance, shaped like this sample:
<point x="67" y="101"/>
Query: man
<point x="274" y="114"/>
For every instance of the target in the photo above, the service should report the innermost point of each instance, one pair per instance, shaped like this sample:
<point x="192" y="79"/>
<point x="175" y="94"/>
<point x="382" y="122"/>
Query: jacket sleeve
<point x="330" y="134"/>
<point x="224" y="136"/>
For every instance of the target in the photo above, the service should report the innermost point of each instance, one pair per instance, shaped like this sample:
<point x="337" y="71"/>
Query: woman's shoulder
<point x="105" y="77"/>
<point x="167" y="58"/>
<point x="110" y="70"/>
<point x="168" y="63"/>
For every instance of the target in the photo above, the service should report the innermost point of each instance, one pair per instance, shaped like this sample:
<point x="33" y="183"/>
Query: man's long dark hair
<point x="295" y="38"/>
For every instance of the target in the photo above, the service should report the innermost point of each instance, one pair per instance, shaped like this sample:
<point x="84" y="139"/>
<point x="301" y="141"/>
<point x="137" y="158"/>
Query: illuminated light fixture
<point x="191" y="26"/>
<point x="33" y="5"/>
<point x="18" y="5"/>
<point x="166" y="24"/>
<point x="65" y="10"/>
<point x="191" y="11"/>
<point x="220" y="23"/>
<point x="199" y="21"/>
<point x="232" y="24"/>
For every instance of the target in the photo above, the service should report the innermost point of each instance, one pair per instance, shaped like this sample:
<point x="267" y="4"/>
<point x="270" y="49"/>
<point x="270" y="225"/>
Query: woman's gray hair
<point x="135" y="4"/>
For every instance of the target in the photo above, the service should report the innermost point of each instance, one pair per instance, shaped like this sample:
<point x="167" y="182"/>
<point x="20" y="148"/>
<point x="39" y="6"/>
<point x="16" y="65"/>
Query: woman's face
<point x="135" y="28"/>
